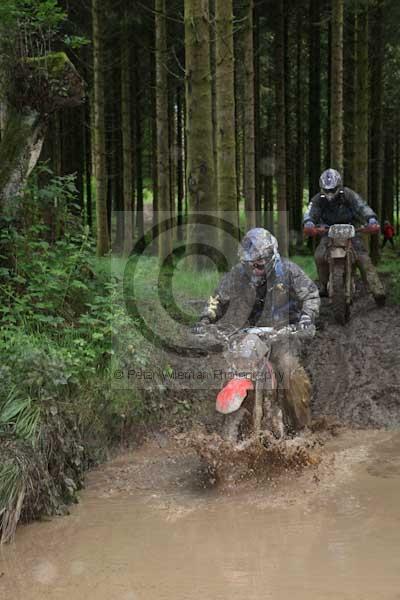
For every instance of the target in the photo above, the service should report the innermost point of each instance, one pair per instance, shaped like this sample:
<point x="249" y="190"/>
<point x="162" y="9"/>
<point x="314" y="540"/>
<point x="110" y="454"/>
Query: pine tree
<point x="314" y="98"/>
<point x="249" y="148"/>
<point x="99" y="141"/>
<point x="281" y="185"/>
<point x="200" y="168"/>
<point x="362" y="105"/>
<point x="336" y="123"/>
<point x="225" y="109"/>
<point x="162" y="120"/>
<point x="126" y="133"/>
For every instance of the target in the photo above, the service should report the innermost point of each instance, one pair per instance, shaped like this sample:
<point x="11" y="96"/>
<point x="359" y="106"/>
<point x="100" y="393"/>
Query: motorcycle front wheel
<point x="341" y="309"/>
<point x="237" y="426"/>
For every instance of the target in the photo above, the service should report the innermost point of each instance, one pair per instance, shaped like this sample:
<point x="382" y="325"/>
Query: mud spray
<point x="228" y="464"/>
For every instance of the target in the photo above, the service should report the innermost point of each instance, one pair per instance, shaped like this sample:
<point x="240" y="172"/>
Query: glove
<point x="305" y="322"/>
<point x="372" y="221"/>
<point x="309" y="225"/>
<point x="200" y="327"/>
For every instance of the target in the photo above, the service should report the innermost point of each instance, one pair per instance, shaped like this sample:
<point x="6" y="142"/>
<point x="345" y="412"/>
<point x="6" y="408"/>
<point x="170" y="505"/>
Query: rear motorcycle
<point x="342" y="262"/>
<point x="251" y="401"/>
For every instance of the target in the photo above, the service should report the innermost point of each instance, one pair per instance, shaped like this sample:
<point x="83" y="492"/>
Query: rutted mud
<point x="356" y="368"/>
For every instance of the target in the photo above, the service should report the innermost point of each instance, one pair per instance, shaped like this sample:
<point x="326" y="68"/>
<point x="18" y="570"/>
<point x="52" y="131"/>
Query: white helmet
<point x="330" y="183"/>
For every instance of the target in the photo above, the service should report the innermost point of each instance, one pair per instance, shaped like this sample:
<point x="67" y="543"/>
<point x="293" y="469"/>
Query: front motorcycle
<point x="251" y="401"/>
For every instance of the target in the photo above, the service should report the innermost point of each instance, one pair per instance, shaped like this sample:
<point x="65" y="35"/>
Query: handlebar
<point x="318" y="230"/>
<point x="266" y="333"/>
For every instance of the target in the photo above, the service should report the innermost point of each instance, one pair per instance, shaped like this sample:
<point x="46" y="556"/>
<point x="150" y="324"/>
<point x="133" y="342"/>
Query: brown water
<point x="333" y="533"/>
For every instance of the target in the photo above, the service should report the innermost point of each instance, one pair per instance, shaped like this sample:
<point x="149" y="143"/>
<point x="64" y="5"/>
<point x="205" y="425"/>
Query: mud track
<point x="356" y="368"/>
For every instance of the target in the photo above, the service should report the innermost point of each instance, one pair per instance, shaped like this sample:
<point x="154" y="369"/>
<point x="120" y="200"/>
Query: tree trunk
<point x="377" y="142"/>
<point x="126" y="134"/>
<point x="138" y="151"/>
<point x="163" y="162"/>
<point x="290" y="113"/>
<point x="99" y="133"/>
<point x="337" y="86"/>
<point x="397" y="174"/>
<point x="314" y="142"/>
<point x="349" y="94"/>
<point x="388" y="191"/>
<point x="88" y="168"/>
<point x="180" y="175"/>
<point x="249" y="118"/>
<point x="281" y="187"/>
<point x="225" y="118"/>
<point x="257" y="115"/>
<point x="362" y="106"/>
<point x="26" y="126"/>
<point x="200" y="167"/>
<point x="300" y="118"/>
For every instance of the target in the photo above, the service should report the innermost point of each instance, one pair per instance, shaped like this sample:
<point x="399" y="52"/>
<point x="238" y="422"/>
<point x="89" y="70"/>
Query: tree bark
<point x="180" y="175"/>
<point x="225" y="111"/>
<point x="200" y="167"/>
<point x="349" y="95"/>
<point x="300" y="119"/>
<point x="388" y="192"/>
<point x="377" y="142"/>
<point x="126" y="134"/>
<point x="225" y="120"/>
<point x="281" y="186"/>
<point x="26" y="125"/>
<point x="99" y="133"/>
<point x="314" y="142"/>
<point x="138" y="106"/>
<point x="249" y="117"/>
<point x="362" y="106"/>
<point x="163" y="158"/>
<point x="337" y="86"/>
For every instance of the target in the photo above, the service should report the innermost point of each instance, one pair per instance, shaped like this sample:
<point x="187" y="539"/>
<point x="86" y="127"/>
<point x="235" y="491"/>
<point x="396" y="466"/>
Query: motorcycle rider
<point x="266" y="290"/>
<point x="338" y="204"/>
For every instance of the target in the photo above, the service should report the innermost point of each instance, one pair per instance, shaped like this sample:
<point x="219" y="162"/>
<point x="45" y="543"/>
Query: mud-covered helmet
<point x="259" y="254"/>
<point x="330" y="183"/>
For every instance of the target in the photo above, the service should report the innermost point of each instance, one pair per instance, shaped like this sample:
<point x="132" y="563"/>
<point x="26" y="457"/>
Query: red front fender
<point x="232" y="395"/>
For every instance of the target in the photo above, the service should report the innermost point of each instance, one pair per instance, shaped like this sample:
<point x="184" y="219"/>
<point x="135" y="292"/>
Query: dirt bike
<point x="342" y="261"/>
<point x="250" y="401"/>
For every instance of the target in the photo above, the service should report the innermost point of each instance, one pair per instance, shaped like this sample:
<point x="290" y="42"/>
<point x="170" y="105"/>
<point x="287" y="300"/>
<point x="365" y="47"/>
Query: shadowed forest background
<point x="117" y="115"/>
<point x="261" y="95"/>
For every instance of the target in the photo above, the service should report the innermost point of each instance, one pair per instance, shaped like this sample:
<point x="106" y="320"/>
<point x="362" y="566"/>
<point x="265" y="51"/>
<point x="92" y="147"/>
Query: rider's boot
<point x="297" y="392"/>
<point x="371" y="277"/>
<point x="380" y="300"/>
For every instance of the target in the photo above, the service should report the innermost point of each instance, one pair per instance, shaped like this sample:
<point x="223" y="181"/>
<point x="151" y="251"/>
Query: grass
<point x="390" y="265"/>
<point x="187" y="285"/>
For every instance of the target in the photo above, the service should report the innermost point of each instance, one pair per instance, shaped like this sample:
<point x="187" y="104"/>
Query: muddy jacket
<point x="348" y="207"/>
<point x="286" y="295"/>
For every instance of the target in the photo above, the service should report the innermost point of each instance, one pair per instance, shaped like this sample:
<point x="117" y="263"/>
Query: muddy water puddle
<point x="144" y="531"/>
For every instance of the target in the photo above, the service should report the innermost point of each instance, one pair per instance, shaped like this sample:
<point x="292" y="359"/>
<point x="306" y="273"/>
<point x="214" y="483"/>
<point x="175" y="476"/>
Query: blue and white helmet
<point x="330" y="183"/>
<point x="259" y="253"/>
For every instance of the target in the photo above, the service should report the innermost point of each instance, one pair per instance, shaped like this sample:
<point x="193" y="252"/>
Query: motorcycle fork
<point x="350" y="260"/>
<point x="258" y="406"/>
<point x="265" y="404"/>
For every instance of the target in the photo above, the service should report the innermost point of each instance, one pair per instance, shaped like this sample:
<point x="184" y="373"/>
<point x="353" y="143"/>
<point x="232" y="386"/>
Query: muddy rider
<point x="338" y="204"/>
<point x="266" y="290"/>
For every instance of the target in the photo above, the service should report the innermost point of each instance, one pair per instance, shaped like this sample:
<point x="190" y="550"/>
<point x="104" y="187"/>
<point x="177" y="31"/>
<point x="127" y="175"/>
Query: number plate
<point x="341" y="231"/>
